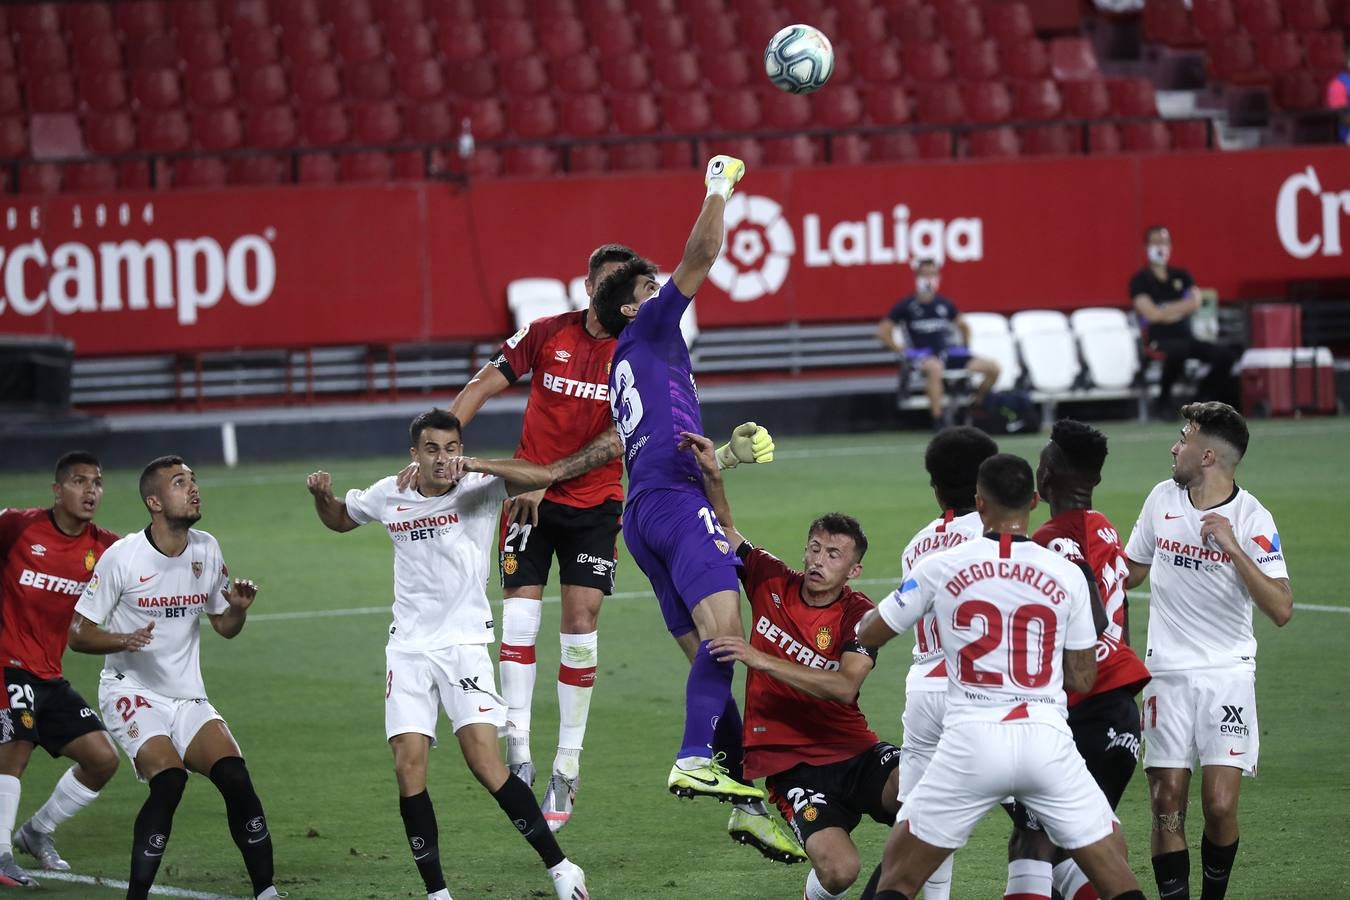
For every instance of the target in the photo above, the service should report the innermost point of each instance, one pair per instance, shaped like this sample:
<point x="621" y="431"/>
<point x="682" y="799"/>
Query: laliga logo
<point x="1335" y="204"/>
<point x="760" y="243"/>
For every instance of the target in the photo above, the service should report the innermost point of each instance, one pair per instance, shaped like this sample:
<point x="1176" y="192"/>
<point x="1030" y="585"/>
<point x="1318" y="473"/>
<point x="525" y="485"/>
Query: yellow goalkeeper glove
<point x="750" y="443"/>
<point x="722" y="174"/>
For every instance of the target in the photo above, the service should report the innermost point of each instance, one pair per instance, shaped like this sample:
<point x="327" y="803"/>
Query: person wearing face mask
<point x="1165" y="298"/>
<point x="927" y="319"/>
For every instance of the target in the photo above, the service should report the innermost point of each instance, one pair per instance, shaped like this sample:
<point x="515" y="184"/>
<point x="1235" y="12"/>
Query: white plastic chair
<point x="1110" y="345"/>
<point x="576" y="292"/>
<point x="532" y="298"/>
<point x="1048" y="349"/>
<point x="990" y="337"/>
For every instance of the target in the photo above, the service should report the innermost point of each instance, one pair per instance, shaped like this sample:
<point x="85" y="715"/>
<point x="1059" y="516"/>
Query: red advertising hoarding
<point x="295" y="266"/>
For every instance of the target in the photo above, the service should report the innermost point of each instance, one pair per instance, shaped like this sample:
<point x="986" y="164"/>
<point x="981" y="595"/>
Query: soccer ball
<point x="799" y="59"/>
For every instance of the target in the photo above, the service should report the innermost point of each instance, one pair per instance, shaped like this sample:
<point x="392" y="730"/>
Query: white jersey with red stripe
<point x="1006" y="610"/>
<point x="928" y="670"/>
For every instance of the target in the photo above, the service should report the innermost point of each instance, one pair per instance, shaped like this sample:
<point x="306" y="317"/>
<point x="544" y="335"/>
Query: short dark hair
<point x="607" y="253"/>
<point x="149" y="482"/>
<point x="1151" y="230"/>
<point x="1082" y="447"/>
<point x="925" y="261"/>
<point x="1006" y="480"/>
<point x="616" y="291"/>
<point x="72" y="459"/>
<point x="440" y="419"/>
<point x="843" y="525"/>
<point x="1221" y="421"/>
<point x="953" y="458"/>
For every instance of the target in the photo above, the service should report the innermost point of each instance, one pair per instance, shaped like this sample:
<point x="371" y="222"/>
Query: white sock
<point x="816" y="891"/>
<point x="9" y="808"/>
<point x="1028" y="879"/>
<point x="68" y="798"/>
<point x="939" y="884"/>
<point x="520" y="628"/>
<point x="576" y="680"/>
<point x="1071" y="883"/>
<point x="442" y="894"/>
<point x="271" y="894"/>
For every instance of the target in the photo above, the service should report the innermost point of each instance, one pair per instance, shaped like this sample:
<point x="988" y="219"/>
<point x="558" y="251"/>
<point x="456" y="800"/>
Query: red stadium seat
<point x="97" y="51"/>
<point x="575" y="75"/>
<point x="369" y="80"/>
<point x="524" y="76"/>
<point x="1189" y="134"/>
<point x="893" y="148"/>
<point x="1297" y="91"/>
<point x="102" y="91"/>
<point x="511" y="39"/>
<point x="1037" y="100"/>
<point x="585" y="116"/>
<point x="1025" y="59"/>
<point x="421" y="79"/>
<point x="1232" y="57"/>
<point x="486" y="118"/>
<point x="210" y="87"/>
<point x="914" y="25"/>
<point x="485" y="163"/>
<point x="785" y="112"/>
<point x="1326" y="50"/>
<point x="326" y="125"/>
<point x="1260" y="17"/>
<point x="641" y="7"/>
<point x="586" y="159"/>
<point x="600" y="11"/>
<point x="563" y="39"/>
<point x="244" y="14"/>
<point x="359" y="44"/>
<point x="796" y="150"/>
<point x="617" y="37"/>
<point x="7" y="62"/>
<point x="257" y="170"/>
<point x="713" y="33"/>
<point x="635" y="113"/>
<point x="867" y="29"/>
<point x="664" y="34"/>
<point x="1086" y="99"/>
<point x="475" y="78"/>
<point x="134" y="175"/>
<point x="317" y="168"/>
<point x="532" y="117"/>
<point x="737" y="110"/>
<point x="271" y="127"/>
<point x="346" y="14"/>
<point x="747" y="149"/>
<point x="263" y="86"/>
<point x="840" y="107"/>
<point x="1010" y="23"/>
<point x="987" y="101"/>
<point x="462" y="41"/>
<point x="1213" y="18"/>
<point x="552" y="10"/>
<point x="887" y="104"/>
<point x="995" y="143"/>
<point x="257" y="47"/>
<point x="686" y="113"/>
<point x="1307" y="15"/>
<point x="804" y="10"/>
<point x="1145" y="137"/>
<point x="530" y="161"/>
<point x="367" y="166"/>
<point x="306" y="46"/>
<point x="40" y="53"/>
<point x="409" y="41"/>
<point x="1169" y="22"/>
<point x="207" y="172"/>
<point x="53" y="92"/>
<point x="13" y="137"/>
<point x="847" y="149"/>
<point x="961" y="22"/>
<point x="708" y="8"/>
<point x="724" y="71"/>
<point x="401" y="12"/>
<point x="35" y="18"/>
<point x="452" y="10"/>
<point x="1103" y="137"/>
<point x="935" y="145"/>
<point x="164" y="131"/>
<point x="152" y="51"/>
<point x="431" y="123"/>
<point x="678" y="70"/>
<point x="316" y="83"/>
<point x="504" y="9"/>
<point x="1073" y="59"/>
<point x="11" y="99"/>
<point x="80" y="19"/>
<point x="376" y="123"/>
<point x="1281" y="51"/>
<point x="878" y="65"/>
<point x="927" y="63"/>
<point x="138" y="17"/>
<point x="218" y="129"/>
<point x="626" y="72"/>
<point x="940" y="104"/>
<point x="190" y="14"/>
<point x="1049" y="140"/>
<point x="202" y="48"/>
<point x="90" y="177"/>
<point x="977" y="61"/>
<point x="679" y="154"/>
<point x="109" y="134"/>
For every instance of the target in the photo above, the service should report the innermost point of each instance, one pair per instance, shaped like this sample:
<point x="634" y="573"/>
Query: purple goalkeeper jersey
<point x="653" y="396"/>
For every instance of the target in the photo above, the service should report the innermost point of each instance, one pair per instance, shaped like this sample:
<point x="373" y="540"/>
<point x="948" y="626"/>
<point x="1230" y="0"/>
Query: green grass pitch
<point x="301" y="688"/>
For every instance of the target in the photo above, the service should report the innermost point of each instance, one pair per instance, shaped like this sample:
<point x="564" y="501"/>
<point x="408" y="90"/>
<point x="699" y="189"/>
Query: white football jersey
<point x="134" y="584"/>
<point x="440" y="558"/>
<point x="1006" y="609"/>
<point x="1200" y="613"/>
<point x="927" y="670"/>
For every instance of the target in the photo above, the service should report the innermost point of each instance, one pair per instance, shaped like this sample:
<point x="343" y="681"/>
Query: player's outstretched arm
<point x="332" y="511"/>
<point x="87" y="637"/>
<point x="488" y="383"/>
<point x="702" y="448"/>
<point x="840" y="686"/>
<point x="240" y="595"/>
<point x="603" y="448"/>
<point x="705" y="241"/>
<point x="520" y="475"/>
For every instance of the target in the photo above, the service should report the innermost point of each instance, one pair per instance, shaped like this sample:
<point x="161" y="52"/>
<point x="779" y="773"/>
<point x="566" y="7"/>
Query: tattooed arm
<point x="606" y="447"/>
<point x="1080" y="670"/>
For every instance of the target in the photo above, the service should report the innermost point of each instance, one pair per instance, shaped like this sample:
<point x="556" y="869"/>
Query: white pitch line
<point x="122" y="886"/>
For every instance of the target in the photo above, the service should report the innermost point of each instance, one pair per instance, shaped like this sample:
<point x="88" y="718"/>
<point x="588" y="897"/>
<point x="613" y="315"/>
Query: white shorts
<point x="1208" y="714"/>
<point x="922" y="721"/>
<point x="134" y="715"/>
<point x="979" y="764"/>
<point x="460" y="678"/>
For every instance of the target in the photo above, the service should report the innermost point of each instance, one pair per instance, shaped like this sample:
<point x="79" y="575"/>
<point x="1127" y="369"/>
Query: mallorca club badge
<point x="89" y="560"/>
<point x="823" y="638"/>
<point x="509" y="564"/>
